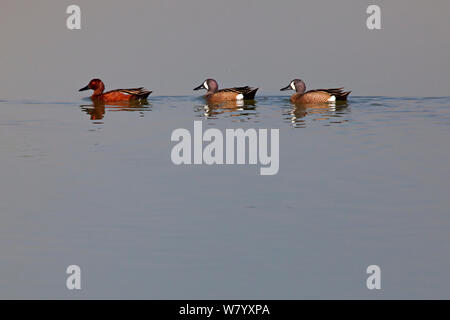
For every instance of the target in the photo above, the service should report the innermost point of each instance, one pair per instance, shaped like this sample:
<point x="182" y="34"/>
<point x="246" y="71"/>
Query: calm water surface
<point x="360" y="184"/>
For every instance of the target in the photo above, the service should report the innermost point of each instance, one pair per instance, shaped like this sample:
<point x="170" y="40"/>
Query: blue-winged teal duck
<point x="214" y="95"/>
<point x="314" y="96"/>
<point x="114" y="95"/>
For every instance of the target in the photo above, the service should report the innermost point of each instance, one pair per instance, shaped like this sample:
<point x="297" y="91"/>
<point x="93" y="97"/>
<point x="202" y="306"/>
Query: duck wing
<point x="235" y="89"/>
<point x="248" y="92"/>
<point x="140" y="93"/>
<point x="339" y="93"/>
<point x="134" y="91"/>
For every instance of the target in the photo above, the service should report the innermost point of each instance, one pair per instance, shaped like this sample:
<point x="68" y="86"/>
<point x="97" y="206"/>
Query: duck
<point x="117" y="95"/>
<point x="301" y="96"/>
<point x="214" y="95"/>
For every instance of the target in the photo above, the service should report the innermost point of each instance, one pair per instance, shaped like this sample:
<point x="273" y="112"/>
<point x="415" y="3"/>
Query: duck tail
<point x="250" y="95"/>
<point x="144" y="94"/>
<point x="343" y="95"/>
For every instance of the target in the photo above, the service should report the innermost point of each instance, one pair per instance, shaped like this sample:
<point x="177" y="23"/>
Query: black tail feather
<point x="250" y="95"/>
<point x="144" y="95"/>
<point x="343" y="96"/>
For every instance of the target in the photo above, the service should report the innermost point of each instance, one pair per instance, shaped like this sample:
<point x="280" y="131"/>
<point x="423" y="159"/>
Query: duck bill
<point x="199" y="87"/>
<point x="286" y="88"/>
<point x="84" y="88"/>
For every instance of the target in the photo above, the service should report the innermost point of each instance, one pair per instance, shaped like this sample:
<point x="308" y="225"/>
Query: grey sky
<point x="171" y="46"/>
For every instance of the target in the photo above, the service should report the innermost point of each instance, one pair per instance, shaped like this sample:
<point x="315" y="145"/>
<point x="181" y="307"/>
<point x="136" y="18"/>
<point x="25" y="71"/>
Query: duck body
<point x="214" y="95"/>
<point x="314" y="96"/>
<point x="117" y="95"/>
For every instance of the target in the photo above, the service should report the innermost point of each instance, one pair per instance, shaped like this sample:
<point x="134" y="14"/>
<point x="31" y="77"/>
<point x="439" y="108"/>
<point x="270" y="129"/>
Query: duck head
<point x="209" y="85"/>
<point x="297" y="85"/>
<point x="95" y="84"/>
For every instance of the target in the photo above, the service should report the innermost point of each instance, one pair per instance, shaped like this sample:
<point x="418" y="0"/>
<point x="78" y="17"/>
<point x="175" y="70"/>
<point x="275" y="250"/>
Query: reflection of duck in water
<point x="97" y="109"/>
<point x="214" y="95"/>
<point x="301" y="96"/>
<point x="331" y="113"/>
<point x="134" y="94"/>
<point x="237" y="108"/>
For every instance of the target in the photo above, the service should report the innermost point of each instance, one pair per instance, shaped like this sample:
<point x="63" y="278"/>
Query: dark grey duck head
<point x="209" y="85"/>
<point x="297" y="85"/>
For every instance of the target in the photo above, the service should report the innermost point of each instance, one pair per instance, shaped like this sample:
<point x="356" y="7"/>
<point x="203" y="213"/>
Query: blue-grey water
<point x="360" y="184"/>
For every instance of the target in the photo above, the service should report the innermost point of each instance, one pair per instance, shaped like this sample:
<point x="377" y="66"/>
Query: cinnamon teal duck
<point x="115" y="95"/>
